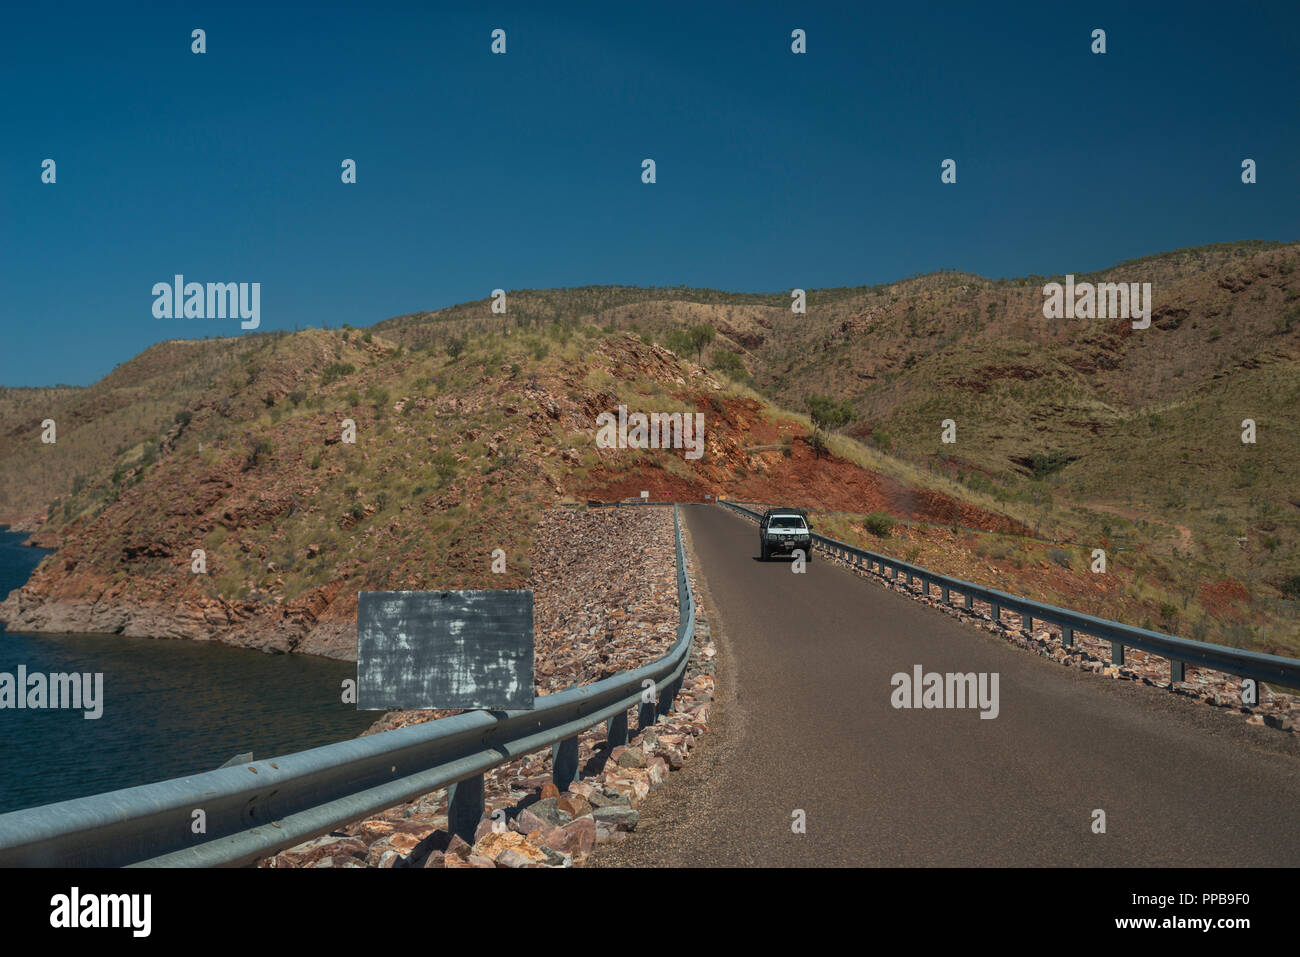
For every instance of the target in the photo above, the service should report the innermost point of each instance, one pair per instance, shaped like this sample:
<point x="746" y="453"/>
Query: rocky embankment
<point x="604" y="584"/>
<point x="611" y="606"/>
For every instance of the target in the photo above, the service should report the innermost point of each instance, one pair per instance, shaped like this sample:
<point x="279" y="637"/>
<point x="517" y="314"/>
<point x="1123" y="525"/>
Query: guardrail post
<point x="1116" y="653"/>
<point x="645" y="715"/>
<point x="1177" y="672"/>
<point x="465" y="807"/>
<point x="970" y="602"/>
<point x="616" y="729"/>
<point x="925" y="585"/>
<point x="1027" y="623"/>
<point x="564" y="762"/>
<point x="666" y="697"/>
<point x="943" y="594"/>
<point x="1067" y="637"/>
<point x="996" y="611"/>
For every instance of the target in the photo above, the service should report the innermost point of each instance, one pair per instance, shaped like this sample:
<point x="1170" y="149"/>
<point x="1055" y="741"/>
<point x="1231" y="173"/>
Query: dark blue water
<point x="169" y="707"/>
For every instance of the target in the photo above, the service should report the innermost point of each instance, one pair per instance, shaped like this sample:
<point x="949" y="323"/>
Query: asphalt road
<point x="804" y="722"/>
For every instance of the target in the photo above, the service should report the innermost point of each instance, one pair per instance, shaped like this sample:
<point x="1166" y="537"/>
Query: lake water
<point x="169" y="707"/>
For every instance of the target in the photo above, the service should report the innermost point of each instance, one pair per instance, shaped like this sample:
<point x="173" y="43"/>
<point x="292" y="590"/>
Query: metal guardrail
<point x="252" y="811"/>
<point x="1180" y="651"/>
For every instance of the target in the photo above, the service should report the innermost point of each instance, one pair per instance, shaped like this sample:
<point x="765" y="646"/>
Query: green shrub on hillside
<point x="260" y="452"/>
<point x="1043" y="465"/>
<point x="827" y="414"/>
<point x="879" y="524"/>
<point x="729" y="364"/>
<point x="335" y="371"/>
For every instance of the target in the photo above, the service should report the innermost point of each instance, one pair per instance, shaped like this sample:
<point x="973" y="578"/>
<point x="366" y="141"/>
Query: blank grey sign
<point x="444" y="650"/>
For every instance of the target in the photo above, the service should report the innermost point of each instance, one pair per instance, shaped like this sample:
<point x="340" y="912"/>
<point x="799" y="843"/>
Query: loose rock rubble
<point x="580" y="634"/>
<point x="604" y="585"/>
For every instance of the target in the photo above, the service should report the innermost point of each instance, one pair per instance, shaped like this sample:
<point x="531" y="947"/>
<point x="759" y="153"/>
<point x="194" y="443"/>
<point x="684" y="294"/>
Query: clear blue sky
<point x="477" y="171"/>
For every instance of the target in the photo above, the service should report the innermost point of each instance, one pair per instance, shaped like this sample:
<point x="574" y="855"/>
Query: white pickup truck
<point x="782" y="530"/>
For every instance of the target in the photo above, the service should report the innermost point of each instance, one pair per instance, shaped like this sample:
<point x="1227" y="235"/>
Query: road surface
<point x="804" y="722"/>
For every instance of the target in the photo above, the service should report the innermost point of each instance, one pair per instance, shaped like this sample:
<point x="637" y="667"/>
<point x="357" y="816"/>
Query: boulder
<point x="575" y="805"/>
<point x="526" y="821"/>
<point x="608" y="799"/>
<point x="494" y="844"/>
<point x="632" y="757"/>
<point x="548" y="810"/>
<point x="621" y="818"/>
<point x="579" y="837"/>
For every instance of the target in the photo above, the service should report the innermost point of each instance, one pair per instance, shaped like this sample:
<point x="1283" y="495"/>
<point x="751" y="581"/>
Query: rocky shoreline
<point x="574" y="550"/>
<point x="278" y="631"/>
